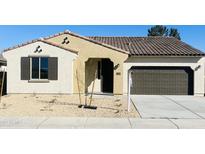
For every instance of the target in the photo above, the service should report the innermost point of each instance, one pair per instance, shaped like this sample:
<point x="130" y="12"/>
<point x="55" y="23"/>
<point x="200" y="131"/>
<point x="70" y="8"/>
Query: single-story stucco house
<point x="66" y="63"/>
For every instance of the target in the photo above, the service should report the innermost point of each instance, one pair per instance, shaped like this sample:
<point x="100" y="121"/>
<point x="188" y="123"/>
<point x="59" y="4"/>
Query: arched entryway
<point x="101" y="71"/>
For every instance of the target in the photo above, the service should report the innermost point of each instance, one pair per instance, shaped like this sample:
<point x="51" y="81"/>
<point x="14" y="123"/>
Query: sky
<point x="14" y="35"/>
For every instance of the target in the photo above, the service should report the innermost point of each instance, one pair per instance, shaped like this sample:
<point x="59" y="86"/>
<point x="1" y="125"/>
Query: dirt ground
<point x="64" y="105"/>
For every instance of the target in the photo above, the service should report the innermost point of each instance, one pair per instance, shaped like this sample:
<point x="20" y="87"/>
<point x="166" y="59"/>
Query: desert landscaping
<point x="64" y="105"/>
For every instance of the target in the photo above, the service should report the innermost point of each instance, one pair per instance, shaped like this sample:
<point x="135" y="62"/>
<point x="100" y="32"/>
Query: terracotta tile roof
<point x="141" y="46"/>
<point x="45" y="39"/>
<point x="87" y="39"/>
<point x="150" y="46"/>
<point x="40" y="40"/>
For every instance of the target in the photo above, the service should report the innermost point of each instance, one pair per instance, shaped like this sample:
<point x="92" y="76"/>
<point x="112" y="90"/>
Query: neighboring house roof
<point x="41" y="40"/>
<point x="2" y="59"/>
<point x="151" y="46"/>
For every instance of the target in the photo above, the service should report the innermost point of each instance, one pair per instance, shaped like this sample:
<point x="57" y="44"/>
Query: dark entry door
<point x="162" y="81"/>
<point x="107" y="76"/>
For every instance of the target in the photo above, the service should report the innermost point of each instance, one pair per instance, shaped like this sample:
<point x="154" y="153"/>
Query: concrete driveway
<point x="169" y="107"/>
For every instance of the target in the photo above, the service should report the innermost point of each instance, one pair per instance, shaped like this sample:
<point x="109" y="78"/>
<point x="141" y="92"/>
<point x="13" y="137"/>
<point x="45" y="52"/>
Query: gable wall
<point x="65" y="62"/>
<point x="88" y="50"/>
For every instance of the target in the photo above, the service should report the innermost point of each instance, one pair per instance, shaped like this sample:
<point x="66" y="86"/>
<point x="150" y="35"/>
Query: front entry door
<point x="107" y="76"/>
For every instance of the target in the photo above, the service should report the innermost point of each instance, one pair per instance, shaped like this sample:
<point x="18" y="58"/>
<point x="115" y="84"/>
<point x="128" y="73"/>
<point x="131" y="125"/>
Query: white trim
<point x="128" y="97"/>
<point x="39" y="67"/>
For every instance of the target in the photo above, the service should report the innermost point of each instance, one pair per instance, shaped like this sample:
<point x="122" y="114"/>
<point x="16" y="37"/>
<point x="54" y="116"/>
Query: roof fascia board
<point x="40" y="40"/>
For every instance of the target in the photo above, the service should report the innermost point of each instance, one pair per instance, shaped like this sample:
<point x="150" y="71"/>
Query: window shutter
<point x="52" y="68"/>
<point x="25" y="68"/>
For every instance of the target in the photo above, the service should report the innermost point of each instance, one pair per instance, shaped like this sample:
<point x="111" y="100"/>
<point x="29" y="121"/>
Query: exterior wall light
<point x="38" y="49"/>
<point x="65" y="40"/>
<point x="198" y="67"/>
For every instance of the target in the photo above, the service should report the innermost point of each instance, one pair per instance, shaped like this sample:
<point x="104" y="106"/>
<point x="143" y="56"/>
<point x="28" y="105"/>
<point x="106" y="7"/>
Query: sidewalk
<point x="112" y="123"/>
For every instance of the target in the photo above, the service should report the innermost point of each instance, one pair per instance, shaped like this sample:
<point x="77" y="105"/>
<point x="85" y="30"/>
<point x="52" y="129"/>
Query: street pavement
<point x="98" y="123"/>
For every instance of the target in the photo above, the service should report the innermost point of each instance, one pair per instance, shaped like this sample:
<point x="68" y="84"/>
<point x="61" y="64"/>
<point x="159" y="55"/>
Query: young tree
<point x="158" y="30"/>
<point x="174" y="33"/>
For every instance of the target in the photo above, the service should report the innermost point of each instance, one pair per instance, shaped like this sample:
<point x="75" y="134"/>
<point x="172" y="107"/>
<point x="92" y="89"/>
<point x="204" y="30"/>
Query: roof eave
<point x="41" y="40"/>
<point x="96" y="42"/>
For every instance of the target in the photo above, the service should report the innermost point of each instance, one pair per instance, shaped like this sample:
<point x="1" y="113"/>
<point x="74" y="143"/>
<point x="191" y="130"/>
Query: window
<point x="39" y="67"/>
<point x="35" y="68"/>
<point x="44" y="68"/>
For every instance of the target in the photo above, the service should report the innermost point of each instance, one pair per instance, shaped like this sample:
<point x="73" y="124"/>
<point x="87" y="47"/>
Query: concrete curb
<point x="97" y="123"/>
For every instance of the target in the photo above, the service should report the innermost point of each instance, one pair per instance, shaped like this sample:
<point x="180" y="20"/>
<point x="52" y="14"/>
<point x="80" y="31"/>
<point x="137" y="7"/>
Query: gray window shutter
<point x="25" y="68"/>
<point x="52" y="68"/>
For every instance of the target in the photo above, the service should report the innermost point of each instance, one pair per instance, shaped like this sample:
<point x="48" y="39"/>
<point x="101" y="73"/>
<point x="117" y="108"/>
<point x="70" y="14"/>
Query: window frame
<point x="39" y="72"/>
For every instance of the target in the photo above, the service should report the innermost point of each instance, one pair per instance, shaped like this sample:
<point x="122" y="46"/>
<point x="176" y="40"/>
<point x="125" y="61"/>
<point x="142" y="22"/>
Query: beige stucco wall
<point x="192" y="62"/>
<point x="88" y="50"/>
<point x="64" y="84"/>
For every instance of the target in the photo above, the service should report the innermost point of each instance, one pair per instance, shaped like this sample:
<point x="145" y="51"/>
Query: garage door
<point x="162" y="81"/>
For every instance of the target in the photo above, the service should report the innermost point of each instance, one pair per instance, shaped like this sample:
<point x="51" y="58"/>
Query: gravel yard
<point x="64" y="105"/>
